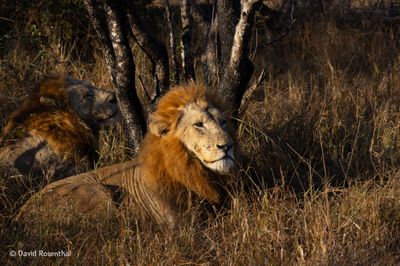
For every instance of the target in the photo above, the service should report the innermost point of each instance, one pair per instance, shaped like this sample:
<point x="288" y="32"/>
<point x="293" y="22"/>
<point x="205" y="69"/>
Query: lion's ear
<point x="50" y="101"/>
<point x="158" y="126"/>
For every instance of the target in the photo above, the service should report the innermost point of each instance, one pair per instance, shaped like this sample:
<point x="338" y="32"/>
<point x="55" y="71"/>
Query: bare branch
<point x="128" y="100"/>
<point x="251" y="90"/>
<point x="102" y="33"/>
<point x="144" y="87"/>
<point x="274" y="17"/>
<point x="282" y="36"/>
<point x="208" y="43"/>
<point x="187" y="58"/>
<point x="228" y="12"/>
<point x="239" y="69"/>
<point x="198" y="18"/>
<point x="211" y="55"/>
<point x="157" y="53"/>
<point x="174" y="62"/>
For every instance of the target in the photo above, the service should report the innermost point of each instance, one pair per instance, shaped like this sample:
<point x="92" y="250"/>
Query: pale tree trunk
<point x="100" y="26"/>
<point x="239" y="68"/>
<point x="208" y="42"/>
<point x="211" y="56"/>
<point x="228" y="12"/>
<point x="130" y="107"/>
<point x="187" y="58"/>
<point x="172" y="47"/>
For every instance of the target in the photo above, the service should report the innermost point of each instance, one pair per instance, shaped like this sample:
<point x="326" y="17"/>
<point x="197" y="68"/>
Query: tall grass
<point x="322" y="133"/>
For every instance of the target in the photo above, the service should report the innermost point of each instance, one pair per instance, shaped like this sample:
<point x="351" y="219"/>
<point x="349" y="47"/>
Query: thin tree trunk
<point x="187" y="58"/>
<point x="239" y="69"/>
<point x="208" y="43"/>
<point x="172" y="47"/>
<point x="156" y="51"/>
<point x="212" y="55"/>
<point x="102" y="33"/>
<point x="251" y="90"/>
<point x="199" y="20"/>
<point x="228" y="12"/>
<point x="130" y="107"/>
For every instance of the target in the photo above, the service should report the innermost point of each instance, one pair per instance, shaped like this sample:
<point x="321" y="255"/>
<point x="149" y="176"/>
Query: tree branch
<point x="130" y="107"/>
<point x="251" y="90"/>
<point x="102" y="33"/>
<point x="238" y="72"/>
<point x="198" y="18"/>
<point x="208" y="43"/>
<point x="228" y="12"/>
<point x="157" y="53"/>
<point x="172" y="46"/>
<point x="187" y="58"/>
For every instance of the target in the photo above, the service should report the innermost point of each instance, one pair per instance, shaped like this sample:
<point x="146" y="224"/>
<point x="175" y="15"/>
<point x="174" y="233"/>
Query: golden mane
<point x="170" y="106"/>
<point x="168" y="155"/>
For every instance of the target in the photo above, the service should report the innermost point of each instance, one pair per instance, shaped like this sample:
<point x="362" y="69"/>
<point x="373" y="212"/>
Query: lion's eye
<point x="223" y="122"/>
<point x="198" y="124"/>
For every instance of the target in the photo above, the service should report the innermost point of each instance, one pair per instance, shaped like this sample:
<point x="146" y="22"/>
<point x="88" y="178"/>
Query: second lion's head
<point x="198" y="120"/>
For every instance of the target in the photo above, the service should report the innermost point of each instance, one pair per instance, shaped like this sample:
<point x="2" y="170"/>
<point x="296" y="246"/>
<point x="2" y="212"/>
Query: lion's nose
<point x="225" y="147"/>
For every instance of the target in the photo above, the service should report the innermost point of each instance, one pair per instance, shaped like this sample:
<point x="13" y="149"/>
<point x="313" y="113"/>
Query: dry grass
<point x="323" y="133"/>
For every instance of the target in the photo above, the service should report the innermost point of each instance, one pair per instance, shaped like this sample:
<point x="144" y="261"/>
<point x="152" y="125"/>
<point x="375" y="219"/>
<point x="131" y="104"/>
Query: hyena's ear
<point x="158" y="126"/>
<point x="51" y="101"/>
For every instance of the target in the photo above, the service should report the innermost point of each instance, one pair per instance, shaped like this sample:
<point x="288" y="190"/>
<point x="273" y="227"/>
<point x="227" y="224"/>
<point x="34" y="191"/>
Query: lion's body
<point x="171" y="166"/>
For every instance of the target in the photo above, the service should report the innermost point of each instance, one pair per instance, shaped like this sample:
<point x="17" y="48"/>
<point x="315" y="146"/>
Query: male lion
<point x="54" y="132"/>
<point x="189" y="152"/>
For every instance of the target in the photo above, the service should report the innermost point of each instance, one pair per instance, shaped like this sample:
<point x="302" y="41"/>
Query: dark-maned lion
<point x="189" y="151"/>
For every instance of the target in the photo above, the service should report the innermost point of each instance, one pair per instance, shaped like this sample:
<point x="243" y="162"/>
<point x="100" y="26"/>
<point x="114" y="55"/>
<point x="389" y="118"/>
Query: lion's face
<point x="95" y="106"/>
<point x="203" y="130"/>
